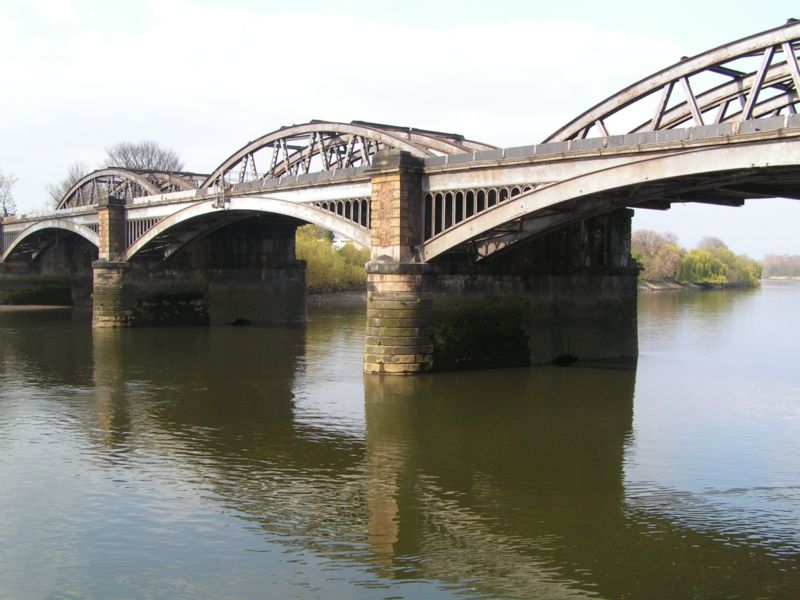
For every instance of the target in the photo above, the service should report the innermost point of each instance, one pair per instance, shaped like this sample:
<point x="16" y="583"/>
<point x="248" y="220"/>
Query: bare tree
<point x="147" y="155"/>
<point x="75" y="172"/>
<point x="649" y="242"/>
<point x="711" y="243"/>
<point x="7" y="204"/>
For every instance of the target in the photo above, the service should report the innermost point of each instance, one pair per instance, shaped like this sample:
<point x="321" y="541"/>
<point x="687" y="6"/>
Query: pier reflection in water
<point x="246" y="462"/>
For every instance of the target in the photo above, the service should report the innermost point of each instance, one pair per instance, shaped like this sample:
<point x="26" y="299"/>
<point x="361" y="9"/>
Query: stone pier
<point x="564" y="296"/>
<point x="398" y="319"/>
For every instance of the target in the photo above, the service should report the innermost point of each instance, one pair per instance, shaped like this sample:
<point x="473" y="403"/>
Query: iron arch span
<point x="54" y="224"/>
<point x="126" y="184"/>
<point x="688" y="175"/>
<point x="236" y="207"/>
<point x="326" y="146"/>
<point x="754" y="77"/>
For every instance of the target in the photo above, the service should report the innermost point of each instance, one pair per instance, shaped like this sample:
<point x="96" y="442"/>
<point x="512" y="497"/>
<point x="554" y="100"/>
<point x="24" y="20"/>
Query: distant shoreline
<point x="666" y="286"/>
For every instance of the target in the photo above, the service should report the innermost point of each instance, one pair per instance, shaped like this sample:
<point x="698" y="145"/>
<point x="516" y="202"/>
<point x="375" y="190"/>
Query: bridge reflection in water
<point x="509" y="483"/>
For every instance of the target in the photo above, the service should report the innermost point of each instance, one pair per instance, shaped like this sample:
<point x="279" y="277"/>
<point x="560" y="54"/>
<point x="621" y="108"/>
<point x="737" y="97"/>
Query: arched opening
<point x="51" y="266"/>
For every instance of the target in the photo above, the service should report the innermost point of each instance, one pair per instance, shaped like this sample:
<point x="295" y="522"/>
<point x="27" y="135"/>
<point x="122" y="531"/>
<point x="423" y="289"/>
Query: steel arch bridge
<point x="719" y="127"/>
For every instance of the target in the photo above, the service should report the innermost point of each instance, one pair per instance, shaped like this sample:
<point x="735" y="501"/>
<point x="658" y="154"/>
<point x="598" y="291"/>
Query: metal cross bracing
<point x="755" y="77"/>
<point x="126" y="184"/>
<point x="324" y="146"/>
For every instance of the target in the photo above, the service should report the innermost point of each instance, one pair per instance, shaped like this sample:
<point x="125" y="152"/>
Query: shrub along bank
<point x="329" y="269"/>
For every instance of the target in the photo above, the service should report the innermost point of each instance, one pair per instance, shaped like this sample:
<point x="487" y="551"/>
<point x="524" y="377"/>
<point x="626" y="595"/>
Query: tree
<point x="328" y="269"/>
<point x="657" y="253"/>
<point x="75" y="172"/>
<point x="663" y="265"/>
<point x="781" y="265"/>
<point x="146" y="155"/>
<point x="7" y="204"/>
<point x="701" y="267"/>
<point x="711" y="243"/>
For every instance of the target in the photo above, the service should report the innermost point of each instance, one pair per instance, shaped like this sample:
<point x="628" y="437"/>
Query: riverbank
<point x="662" y="286"/>
<point x="666" y="286"/>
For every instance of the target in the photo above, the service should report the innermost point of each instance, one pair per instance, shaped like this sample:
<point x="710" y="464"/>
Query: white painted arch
<point x="62" y="224"/>
<point x="256" y="204"/>
<point x="706" y="160"/>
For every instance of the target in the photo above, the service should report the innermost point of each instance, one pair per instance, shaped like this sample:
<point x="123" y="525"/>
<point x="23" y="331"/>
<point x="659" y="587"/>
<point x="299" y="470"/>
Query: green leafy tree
<point x="702" y="268"/>
<point x="329" y="269"/>
<point x="740" y="270"/>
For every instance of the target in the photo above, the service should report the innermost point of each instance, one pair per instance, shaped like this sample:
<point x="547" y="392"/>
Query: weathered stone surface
<point x="398" y="340"/>
<point x="386" y="322"/>
<point x="395" y="205"/>
<point x="111" y="228"/>
<point x="396" y="369"/>
<point x="396" y="313"/>
<point x="405" y="303"/>
<point x="112" y="305"/>
<point x="398" y="336"/>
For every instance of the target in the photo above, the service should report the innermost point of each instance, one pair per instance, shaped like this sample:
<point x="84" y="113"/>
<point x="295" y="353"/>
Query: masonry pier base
<point x="130" y="294"/>
<point x="241" y="274"/>
<point x="569" y="295"/>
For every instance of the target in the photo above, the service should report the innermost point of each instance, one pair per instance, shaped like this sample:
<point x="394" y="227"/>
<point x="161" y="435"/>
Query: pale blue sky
<point x="205" y="76"/>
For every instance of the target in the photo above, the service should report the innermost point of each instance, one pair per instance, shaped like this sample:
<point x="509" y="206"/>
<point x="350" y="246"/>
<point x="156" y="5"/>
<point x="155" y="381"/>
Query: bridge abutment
<point x="398" y="303"/>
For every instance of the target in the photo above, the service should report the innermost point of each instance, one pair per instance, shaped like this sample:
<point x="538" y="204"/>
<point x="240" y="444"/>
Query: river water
<point x="251" y="462"/>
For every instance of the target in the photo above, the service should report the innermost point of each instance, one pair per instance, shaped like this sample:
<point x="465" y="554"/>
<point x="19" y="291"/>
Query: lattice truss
<point x="127" y="184"/>
<point x="321" y="146"/>
<point x="751" y="78"/>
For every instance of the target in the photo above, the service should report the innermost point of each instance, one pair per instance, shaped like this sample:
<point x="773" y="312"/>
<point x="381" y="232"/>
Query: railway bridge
<point x="480" y="256"/>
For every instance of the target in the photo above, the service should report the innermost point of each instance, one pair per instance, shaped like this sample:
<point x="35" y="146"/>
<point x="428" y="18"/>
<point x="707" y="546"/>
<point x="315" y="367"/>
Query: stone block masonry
<point x="395" y="205"/>
<point x="112" y="303"/>
<point x="398" y="339"/>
